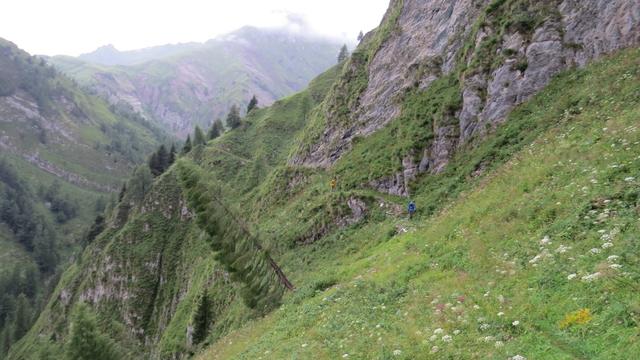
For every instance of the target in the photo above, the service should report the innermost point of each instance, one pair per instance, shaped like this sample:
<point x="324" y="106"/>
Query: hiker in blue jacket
<point x="411" y="208"/>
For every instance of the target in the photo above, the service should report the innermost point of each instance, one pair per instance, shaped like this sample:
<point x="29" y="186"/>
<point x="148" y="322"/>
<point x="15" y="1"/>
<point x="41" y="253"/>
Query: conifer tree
<point x="233" y="118"/>
<point x="360" y="36"/>
<point x="186" y="148"/>
<point x="202" y="318"/>
<point x="252" y="104"/>
<point x="344" y="53"/>
<point x="216" y="129"/>
<point x="123" y="191"/>
<point x="6" y="338"/>
<point x="86" y="341"/>
<point x="236" y="247"/>
<point x="22" y="317"/>
<point x="172" y="155"/>
<point x="198" y="137"/>
<point x="154" y="164"/>
<point x="163" y="158"/>
<point x="140" y="183"/>
<point x="159" y="161"/>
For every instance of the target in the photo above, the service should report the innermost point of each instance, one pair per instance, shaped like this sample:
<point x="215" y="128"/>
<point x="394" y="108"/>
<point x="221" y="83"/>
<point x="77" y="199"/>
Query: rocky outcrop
<point x="585" y="30"/>
<point x="429" y="35"/>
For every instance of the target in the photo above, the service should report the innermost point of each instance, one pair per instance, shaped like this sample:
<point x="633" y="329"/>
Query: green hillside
<point x="524" y="245"/>
<point x="63" y="155"/>
<point x="475" y="268"/>
<point x="534" y="257"/>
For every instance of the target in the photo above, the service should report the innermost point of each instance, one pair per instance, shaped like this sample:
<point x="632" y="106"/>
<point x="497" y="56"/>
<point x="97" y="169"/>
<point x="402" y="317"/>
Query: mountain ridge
<point x="199" y="85"/>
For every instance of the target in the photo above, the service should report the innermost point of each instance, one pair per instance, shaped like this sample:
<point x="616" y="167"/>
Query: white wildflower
<point x="345" y="355"/>
<point x="435" y="349"/>
<point x="515" y="323"/>
<point x="488" y="339"/>
<point x="477" y="307"/>
<point x="499" y="344"/>
<point x="304" y="345"/>
<point x="591" y="277"/>
<point x="613" y="258"/>
<point x="607" y="245"/>
<point x="484" y="326"/>
<point x="629" y="179"/>
<point x="563" y="249"/>
<point x="595" y="251"/>
<point x="456" y="332"/>
<point x="438" y="331"/>
<point x="447" y="338"/>
<point x="545" y="241"/>
<point x="518" y="357"/>
<point x="544" y="254"/>
<point x="500" y="313"/>
<point x="615" y="266"/>
<point x="572" y="276"/>
<point x="433" y="338"/>
<point x="397" y="352"/>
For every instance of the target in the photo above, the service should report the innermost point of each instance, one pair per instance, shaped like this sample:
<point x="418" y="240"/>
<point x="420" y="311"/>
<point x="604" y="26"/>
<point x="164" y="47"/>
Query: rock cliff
<point x="500" y="53"/>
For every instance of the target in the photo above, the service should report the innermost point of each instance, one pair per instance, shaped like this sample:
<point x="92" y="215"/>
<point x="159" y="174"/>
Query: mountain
<point x="512" y="124"/>
<point x="109" y="55"/>
<point x="63" y="153"/>
<point x="181" y="86"/>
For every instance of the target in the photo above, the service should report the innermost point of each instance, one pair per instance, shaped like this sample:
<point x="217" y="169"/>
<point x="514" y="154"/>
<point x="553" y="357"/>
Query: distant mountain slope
<point x="62" y="152"/>
<point x="48" y="121"/>
<point x="199" y="85"/>
<point x="109" y="55"/>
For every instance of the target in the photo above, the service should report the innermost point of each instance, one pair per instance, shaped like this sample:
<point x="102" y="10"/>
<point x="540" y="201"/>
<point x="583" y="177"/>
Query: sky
<point x="73" y="27"/>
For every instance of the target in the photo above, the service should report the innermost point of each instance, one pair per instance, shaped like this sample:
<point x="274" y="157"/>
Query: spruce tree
<point x="233" y="118"/>
<point x="140" y="183"/>
<point x="344" y="53"/>
<point x="215" y="130"/>
<point x="360" y="36"/>
<point x="85" y="340"/>
<point x="123" y="191"/>
<point x="236" y="246"/>
<point x="253" y="103"/>
<point x="172" y="155"/>
<point x="163" y="158"/>
<point x="22" y="317"/>
<point x="6" y="338"/>
<point x="186" y="148"/>
<point x="202" y="318"/>
<point x="154" y="164"/>
<point x="198" y="137"/>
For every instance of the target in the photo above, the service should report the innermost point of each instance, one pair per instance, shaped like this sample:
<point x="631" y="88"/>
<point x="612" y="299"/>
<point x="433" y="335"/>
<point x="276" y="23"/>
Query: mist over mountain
<point x="180" y="86"/>
<point x="109" y="55"/>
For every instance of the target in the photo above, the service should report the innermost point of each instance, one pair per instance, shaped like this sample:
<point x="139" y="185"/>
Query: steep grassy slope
<point x="473" y="276"/>
<point x="62" y="154"/>
<point x="148" y="273"/>
<point x="197" y="86"/>
<point x="534" y="253"/>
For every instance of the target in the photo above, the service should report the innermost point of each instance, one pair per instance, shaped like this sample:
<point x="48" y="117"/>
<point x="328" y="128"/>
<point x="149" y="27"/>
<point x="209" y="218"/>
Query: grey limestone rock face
<point x="429" y="33"/>
<point x="585" y="31"/>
